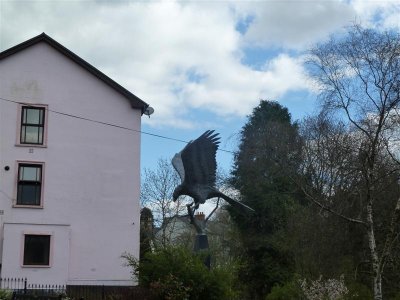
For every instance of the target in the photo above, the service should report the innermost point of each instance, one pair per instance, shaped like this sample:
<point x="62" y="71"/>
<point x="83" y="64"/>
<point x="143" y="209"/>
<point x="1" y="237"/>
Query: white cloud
<point x="380" y="14"/>
<point x="295" y="24"/>
<point x="246" y="86"/>
<point x="298" y="24"/>
<point x="156" y="49"/>
<point x="180" y="56"/>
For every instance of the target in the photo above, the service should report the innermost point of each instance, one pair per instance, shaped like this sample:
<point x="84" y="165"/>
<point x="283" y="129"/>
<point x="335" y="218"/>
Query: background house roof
<point x="135" y="101"/>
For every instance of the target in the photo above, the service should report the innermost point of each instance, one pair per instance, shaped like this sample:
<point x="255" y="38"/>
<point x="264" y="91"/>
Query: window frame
<point x="20" y="125"/>
<point x="50" y="249"/>
<point x="20" y="164"/>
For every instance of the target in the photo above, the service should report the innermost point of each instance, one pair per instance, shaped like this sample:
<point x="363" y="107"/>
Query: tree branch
<point x="328" y="209"/>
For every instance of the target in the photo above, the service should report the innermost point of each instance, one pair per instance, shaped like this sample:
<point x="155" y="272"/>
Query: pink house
<point x="69" y="181"/>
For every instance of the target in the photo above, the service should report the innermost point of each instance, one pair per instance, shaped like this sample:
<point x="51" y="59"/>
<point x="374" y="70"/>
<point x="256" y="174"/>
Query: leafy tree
<point x="359" y="77"/>
<point x="267" y="155"/>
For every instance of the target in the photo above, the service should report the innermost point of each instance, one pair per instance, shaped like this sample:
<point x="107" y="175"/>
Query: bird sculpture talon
<point x="190" y="209"/>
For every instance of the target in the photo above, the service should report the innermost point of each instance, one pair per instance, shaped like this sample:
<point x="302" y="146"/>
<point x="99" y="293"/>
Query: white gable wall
<point x="91" y="173"/>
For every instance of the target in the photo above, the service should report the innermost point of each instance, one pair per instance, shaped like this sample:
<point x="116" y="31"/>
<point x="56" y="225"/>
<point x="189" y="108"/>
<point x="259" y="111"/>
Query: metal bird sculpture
<point x="196" y="165"/>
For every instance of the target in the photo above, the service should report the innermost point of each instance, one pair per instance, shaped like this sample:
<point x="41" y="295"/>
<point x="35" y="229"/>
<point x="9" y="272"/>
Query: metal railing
<point x="22" y="290"/>
<point x="13" y="283"/>
<point x="18" y="289"/>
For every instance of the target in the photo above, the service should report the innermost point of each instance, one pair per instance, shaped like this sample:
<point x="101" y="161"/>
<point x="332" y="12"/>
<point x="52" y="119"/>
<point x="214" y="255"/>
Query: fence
<point x="13" y="283"/>
<point x="20" y="289"/>
<point x="89" y="292"/>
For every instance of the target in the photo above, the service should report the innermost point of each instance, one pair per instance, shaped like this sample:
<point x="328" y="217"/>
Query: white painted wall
<point x="91" y="170"/>
<point x="57" y="273"/>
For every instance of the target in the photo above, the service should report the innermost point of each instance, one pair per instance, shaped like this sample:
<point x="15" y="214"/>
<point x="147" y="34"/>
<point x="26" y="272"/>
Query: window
<point x="32" y="125"/>
<point x="29" y="185"/>
<point x="36" y="250"/>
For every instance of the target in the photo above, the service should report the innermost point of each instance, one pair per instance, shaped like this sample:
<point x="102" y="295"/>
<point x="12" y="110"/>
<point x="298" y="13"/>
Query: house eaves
<point x="135" y="101"/>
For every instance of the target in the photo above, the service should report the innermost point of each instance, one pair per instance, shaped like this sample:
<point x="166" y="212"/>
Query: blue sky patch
<point x="243" y="25"/>
<point x="195" y="76"/>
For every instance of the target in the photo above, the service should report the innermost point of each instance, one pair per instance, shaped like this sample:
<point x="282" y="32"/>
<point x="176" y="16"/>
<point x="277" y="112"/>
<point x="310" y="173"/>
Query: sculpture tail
<point x="236" y="204"/>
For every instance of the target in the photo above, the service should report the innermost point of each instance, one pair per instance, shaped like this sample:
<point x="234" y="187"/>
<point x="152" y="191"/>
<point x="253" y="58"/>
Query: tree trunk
<point x="377" y="272"/>
<point x="377" y="286"/>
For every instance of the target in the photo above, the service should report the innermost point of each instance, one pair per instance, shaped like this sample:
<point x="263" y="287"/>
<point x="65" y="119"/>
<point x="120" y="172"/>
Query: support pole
<point x="201" y="239"/>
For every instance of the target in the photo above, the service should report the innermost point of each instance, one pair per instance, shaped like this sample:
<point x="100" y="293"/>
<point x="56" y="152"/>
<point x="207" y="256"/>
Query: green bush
<point x="176" y="273"/>
<point x="290" y="290"/>
<point x="396" y="297"/>
<point x="358" y="291"/>
<point x="5" y="294"/>
<point x="171" y="288"/>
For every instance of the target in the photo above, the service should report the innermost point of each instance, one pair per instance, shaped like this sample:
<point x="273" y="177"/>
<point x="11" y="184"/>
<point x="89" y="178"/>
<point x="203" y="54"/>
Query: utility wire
<point x="6" y="195"/>
<point x="106" y="123"/>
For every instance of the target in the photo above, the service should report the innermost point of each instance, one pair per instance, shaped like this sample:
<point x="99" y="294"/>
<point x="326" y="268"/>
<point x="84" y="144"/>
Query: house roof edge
<point x="135" y="101"/>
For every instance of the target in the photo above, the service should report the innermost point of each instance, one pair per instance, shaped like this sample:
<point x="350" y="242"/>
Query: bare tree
<point x="330" y="165"/>
<point x="156" y="194"/>
<point x="359" y="76"/>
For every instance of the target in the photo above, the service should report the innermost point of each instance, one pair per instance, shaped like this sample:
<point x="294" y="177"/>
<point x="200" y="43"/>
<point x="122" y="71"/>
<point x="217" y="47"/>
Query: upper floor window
<point x="32" y="125"/>
<point x="29" y="185"/>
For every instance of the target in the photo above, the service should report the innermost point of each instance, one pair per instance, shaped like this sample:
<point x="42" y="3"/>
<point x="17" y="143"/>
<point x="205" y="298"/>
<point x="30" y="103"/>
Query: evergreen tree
<point x="267" y="157"/>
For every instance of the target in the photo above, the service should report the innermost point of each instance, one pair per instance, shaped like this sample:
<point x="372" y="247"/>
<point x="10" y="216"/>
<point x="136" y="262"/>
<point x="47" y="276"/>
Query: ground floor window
<point x="36" y="250"/>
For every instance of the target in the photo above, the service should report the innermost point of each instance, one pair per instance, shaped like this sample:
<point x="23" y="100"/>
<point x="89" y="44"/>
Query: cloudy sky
<point x="200" y="64"/>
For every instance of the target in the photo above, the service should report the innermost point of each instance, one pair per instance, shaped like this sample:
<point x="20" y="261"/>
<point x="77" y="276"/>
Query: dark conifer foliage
<point x="263" y="167"/>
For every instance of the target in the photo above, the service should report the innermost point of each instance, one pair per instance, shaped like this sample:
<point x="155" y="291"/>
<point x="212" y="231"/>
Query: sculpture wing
<point x="198" y="158"/>
<point x="178" y="165"/>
